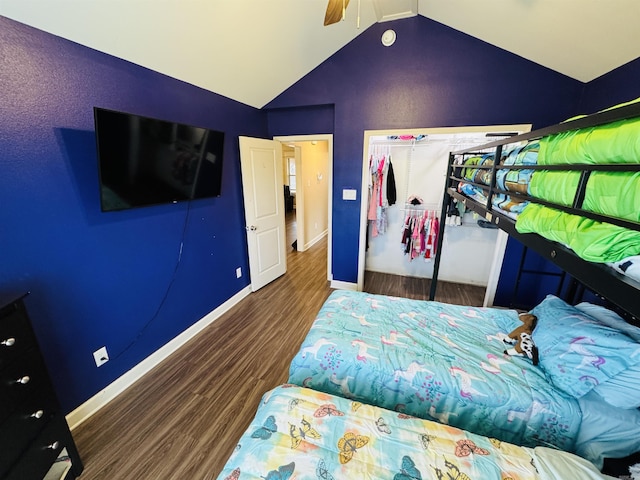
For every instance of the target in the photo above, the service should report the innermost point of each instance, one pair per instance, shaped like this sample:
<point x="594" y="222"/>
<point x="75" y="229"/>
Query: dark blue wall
<point x="114" y="279"/>
<point x="118" y="279"/>
<point x="617" y="86"/>
<point x="306" y="120"/>
<point x="433" y="76"/>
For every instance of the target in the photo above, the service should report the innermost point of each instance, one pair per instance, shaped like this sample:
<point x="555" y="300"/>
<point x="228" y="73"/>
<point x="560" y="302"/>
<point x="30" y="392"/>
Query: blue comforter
<point x="435" y="361"/>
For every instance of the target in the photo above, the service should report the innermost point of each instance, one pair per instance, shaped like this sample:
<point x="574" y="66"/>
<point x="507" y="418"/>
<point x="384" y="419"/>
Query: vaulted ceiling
<point x="252" y="50"/>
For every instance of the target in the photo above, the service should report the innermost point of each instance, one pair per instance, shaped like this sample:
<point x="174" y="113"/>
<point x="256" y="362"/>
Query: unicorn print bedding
<point x="309" y="435"/>
<point x="434" y="361"/>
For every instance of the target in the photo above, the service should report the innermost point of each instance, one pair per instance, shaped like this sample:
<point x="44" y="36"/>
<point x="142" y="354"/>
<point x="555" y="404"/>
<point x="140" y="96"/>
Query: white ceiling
<point x="252" y="50"/>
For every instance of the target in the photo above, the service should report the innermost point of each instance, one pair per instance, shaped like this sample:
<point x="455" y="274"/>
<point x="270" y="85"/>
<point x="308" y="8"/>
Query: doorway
<point x="420" y="158"/>
<point x="313" y="171"/>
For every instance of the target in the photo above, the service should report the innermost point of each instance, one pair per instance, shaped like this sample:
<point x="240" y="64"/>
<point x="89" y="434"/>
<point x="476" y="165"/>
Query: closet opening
<point x="403" y="188"/>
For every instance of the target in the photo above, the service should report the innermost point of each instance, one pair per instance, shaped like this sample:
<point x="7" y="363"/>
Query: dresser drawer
<point x="16" y="336"/>
<point x="23" y="425"/>
<point x="37" y="459"/>
<point x="24" y="378"/>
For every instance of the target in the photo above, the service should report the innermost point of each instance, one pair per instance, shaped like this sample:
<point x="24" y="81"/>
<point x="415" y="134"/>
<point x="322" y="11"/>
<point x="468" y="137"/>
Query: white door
<point x="262" y="182"/>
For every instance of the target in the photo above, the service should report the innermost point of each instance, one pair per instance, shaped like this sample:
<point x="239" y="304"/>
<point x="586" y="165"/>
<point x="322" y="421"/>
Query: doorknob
<point x="253" y="228"/>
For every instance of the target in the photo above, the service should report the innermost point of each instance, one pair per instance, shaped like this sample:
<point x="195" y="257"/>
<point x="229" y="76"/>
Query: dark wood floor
<point x="418" y="288"/>
<point x="183" y="419"/>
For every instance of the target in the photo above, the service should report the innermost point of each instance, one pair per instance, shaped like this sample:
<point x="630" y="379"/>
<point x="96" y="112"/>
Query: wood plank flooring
<point x="418" y="288"/>
<point x="183" y="419"/>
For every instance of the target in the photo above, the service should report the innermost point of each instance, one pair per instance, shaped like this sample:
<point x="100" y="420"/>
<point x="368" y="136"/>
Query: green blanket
<point x="616" y="194"/>
<point x="593" y="241"/>
<point x="617" y="142"/>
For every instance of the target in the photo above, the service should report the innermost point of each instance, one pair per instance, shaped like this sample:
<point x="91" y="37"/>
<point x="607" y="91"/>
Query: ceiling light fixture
<point x="388" y="38"/>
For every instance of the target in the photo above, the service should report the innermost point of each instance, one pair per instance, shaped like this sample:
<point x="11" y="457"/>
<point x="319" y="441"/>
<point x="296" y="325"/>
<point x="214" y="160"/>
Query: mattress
<point x="435" y="361"/>
<point x="304" y="434"/>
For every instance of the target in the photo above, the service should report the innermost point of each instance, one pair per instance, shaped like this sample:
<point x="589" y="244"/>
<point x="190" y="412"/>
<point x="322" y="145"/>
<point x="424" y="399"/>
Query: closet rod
<point x="403" y="143"/>
<point x="422" y="207"/>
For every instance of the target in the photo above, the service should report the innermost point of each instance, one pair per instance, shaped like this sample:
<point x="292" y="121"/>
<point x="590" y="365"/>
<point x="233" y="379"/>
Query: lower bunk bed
<point x="450" y="363"/>
<point x="308" y="435"/>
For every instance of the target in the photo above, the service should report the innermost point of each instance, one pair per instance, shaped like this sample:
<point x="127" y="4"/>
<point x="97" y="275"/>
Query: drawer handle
<point x="9" y="342"/>
<point x="54" y="445"/>
<point x="38" y="414"/>
<point x="24" y="380"/>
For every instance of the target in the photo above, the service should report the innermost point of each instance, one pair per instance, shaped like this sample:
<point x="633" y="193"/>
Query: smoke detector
<point x="388" y="38"/>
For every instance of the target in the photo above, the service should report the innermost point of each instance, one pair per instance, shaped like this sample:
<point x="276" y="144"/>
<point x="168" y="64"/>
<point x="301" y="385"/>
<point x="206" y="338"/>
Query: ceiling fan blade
<point x="335" y="11"/>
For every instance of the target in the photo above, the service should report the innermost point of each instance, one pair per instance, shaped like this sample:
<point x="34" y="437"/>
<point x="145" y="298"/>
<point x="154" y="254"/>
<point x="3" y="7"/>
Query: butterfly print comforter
<point x="435" y="361"/>
<point x="302" y="434"/>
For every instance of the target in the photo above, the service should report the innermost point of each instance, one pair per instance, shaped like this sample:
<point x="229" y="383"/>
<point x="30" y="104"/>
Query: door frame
<point x="501" y="241"/>
<point x="329" y="139"/>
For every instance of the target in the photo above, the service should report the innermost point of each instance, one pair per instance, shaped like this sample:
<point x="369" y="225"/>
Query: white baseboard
<point x="316" y="240"/>
<point x="100" y="399"/>
<point x="337" y="284"/>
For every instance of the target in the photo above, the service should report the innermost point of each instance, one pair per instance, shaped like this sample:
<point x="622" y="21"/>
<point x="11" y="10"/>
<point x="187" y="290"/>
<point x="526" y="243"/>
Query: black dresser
<point x="35" y="441"/>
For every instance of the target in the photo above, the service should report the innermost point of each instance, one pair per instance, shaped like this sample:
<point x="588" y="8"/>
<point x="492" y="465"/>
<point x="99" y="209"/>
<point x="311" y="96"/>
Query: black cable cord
<point x="166" y="294"/>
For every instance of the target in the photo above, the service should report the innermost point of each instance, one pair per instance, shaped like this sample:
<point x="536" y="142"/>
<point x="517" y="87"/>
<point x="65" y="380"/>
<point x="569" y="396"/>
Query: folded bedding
<point x="435" y="361"/>
<point x="478" y="175"/>
<point x="515" y="180"/>
<point x="617" y="142"/>
<point x="304" y="434"/>
<point x="591" y="240"/>
<point x="615" y="194"/>
<point x="502" y="203"/>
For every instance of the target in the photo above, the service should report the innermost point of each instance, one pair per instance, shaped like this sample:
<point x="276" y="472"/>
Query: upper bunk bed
<point x="545" y="188"/>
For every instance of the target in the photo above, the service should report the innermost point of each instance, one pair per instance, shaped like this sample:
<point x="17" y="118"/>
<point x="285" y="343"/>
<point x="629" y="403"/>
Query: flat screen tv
<point x="144" y="161"/>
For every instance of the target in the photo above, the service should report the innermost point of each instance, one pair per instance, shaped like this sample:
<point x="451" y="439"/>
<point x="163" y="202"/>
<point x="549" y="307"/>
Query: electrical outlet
<point x="238" y="272"/>
<point x="101" y="356"/>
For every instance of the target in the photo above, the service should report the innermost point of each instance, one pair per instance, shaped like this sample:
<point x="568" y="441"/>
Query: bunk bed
<point x="592" y="154"/>
<point x="571" y="193"/>
<point x="422" y="361"/>
<point x="447" y="359"/>
<point x="308" y="435"/>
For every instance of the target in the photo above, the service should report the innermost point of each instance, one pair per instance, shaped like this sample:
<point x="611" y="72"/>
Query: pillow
<point x="577" y="352"/>
<point x="606" y="431"/>
<point x="609" y="318"/>
<point x="623" y="390"/>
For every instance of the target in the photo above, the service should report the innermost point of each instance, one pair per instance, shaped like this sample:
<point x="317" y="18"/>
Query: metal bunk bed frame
<point x="601" y="279"/>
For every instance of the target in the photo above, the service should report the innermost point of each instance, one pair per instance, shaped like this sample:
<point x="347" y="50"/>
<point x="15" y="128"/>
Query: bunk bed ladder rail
<point x="449" y="182"/>
<point x="443" y="215"/>
<point x="494" y="168"/>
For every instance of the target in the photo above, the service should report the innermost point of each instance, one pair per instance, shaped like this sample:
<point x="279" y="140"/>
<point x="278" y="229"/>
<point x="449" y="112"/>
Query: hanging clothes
<point x="419" y="230"/>
<point x="390" y="185"/>
<point x="382" y="191"/>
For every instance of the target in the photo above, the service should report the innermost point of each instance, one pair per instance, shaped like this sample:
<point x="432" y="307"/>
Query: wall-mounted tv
<point x="145" y="161"/>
